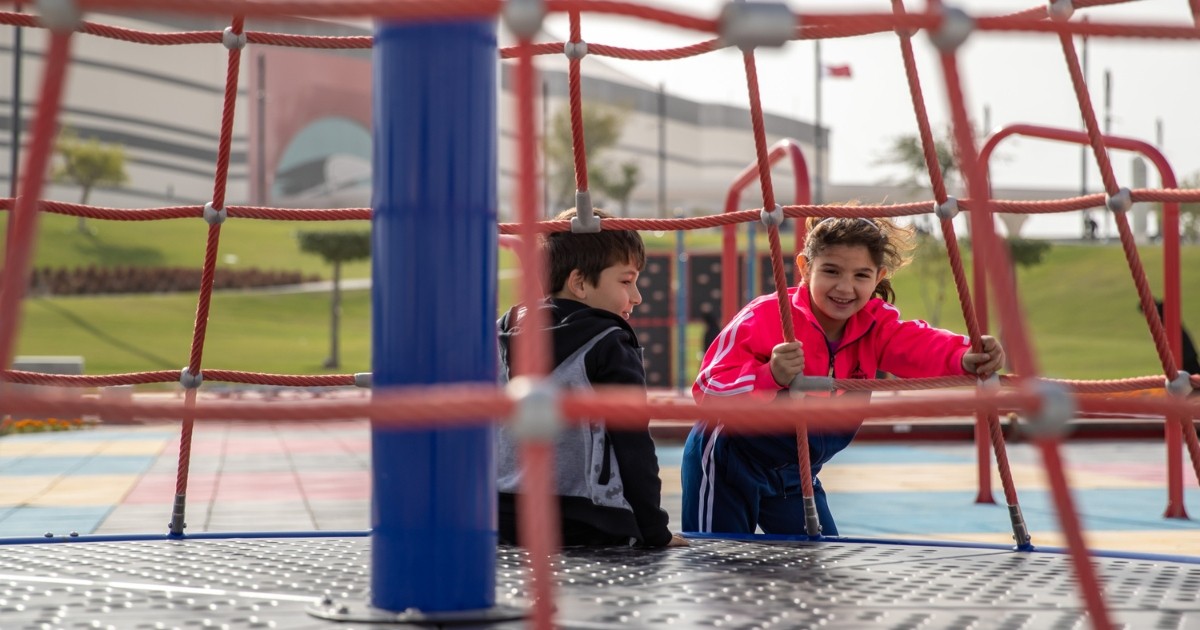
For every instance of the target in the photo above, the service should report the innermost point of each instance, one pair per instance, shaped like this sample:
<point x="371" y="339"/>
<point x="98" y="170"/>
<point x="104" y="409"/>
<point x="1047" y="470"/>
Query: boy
<point x="607" y="480"/>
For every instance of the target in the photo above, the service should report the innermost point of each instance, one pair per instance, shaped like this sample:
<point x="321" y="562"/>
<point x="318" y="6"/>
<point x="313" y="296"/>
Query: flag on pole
<point x="839" y="71"/>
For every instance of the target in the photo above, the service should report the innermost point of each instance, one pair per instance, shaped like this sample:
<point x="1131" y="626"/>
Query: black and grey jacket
<point x="607" y="479"/>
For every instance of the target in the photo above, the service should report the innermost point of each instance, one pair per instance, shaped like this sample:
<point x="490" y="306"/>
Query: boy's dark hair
<point x="589" y="253"/>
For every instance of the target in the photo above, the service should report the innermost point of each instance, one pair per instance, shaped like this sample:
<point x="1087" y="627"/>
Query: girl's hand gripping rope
<point x="787" y="360"/>
<point x="985" y="363"/>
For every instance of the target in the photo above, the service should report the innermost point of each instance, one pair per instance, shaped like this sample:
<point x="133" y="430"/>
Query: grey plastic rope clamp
<point x="189" y="380"/>
<point x="524" y="17"/>
<point x="214" y="216"/>
<point x="575" y="50"/>
<point x="774" y="217"/>
<point x="1057" y="409"/>
<point x="947" y="209"/>
<point x="1020" y="528"/>
<point x="59" y="15"/>
<point x="956" y="26"/>
<point x="231" y="40"/>
<point x="812" y="520"/>
<point x="801" y="384"/>
<point x="1181" y="385"/>
<point x="751" y="24"/>
<point x="1060" y="10"/>
<point x="585" y="220"/>
<point x="536" y="416"/>
<point x="1120" y="202"/>
<point x="363" y="379"/>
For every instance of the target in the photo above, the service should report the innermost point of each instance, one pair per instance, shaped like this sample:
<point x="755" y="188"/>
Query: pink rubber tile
<point x="344" y="485"/>
<point x="158" y="488"/>
<point x="258" y="486"/>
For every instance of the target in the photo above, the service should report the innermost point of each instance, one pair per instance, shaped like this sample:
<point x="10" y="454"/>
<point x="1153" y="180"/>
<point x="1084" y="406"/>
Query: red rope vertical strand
<point x="974" y="328"/>
<point x="23" y="220"/>
<point x="1000" y="272"/>
<point x="1089" y="113"/>
<point x="218" y="202"/>
<point x="803" y="458"/>
<point x="179" y="508"/>
<point x="574" y="88"/>
<point x="208" y="275"/>
<point x="538" y="512"/>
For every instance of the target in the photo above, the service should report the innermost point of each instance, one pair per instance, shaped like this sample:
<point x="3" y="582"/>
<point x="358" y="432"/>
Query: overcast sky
<point x="1019" y="78"/>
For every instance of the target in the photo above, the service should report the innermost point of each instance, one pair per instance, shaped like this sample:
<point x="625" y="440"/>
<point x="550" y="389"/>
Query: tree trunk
<point x="335" y="316"/>
<point x="82" y="226"/>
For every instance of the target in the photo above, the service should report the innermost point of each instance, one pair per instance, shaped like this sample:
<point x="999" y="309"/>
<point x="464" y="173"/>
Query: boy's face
<point x="616" y="292"/>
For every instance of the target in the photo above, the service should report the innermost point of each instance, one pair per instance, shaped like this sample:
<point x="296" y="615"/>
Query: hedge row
<point x="93" y="280"/>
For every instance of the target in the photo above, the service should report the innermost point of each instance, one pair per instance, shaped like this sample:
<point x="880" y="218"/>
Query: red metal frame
<point x="729" y="276"/>
<point x="1171" y="284"/>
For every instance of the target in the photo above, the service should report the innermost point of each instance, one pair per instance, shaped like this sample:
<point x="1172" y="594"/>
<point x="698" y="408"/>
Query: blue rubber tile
<point x="878" y="513"/>
<point x="65" y="464"/>
<point x="35" y="521"/>
<point x="892" y="454"/>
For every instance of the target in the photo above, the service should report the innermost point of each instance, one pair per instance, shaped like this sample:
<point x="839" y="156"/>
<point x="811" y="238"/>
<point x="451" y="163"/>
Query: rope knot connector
<point x="1057" y="408"/>
<point x="575" y="50"/>
<point x="59" y="15"/>
<point x="956" y="26"/>
<point x="214" y="216"/>
<point x="231" y="40"/>
<point x="948" y="209"/>
<point x="189" y="380"/>
<point x="585" y="220"/>
<point x="772" y="218"/>
<point x="1181" y="385"/>
<point x="535" y="416"/>
<point x="801" y="384"/>
<point x="1060" y="10"/>
<point x="524" y="17"/>
<point x="1120" y="202"/>
<point x="363" y="379"/>
<point x="750" y="24"/>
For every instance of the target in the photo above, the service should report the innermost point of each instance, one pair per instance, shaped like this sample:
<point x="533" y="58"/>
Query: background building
<point x="302" y="128"/>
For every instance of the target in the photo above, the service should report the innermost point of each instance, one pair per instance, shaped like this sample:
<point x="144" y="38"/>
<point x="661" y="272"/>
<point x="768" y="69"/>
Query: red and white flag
<point x="838" y="72"/>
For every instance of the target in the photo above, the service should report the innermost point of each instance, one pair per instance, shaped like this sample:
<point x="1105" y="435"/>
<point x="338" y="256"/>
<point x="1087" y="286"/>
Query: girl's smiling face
<point x="841" y="279"/>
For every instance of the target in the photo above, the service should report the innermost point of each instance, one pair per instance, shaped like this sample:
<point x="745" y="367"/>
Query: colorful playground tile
<point x="862" y="477"/>
<point x="86" y="465"/>
<point x="89" y="490"/>
<point x="19" y="491"/>
<point x="35" y="521"/>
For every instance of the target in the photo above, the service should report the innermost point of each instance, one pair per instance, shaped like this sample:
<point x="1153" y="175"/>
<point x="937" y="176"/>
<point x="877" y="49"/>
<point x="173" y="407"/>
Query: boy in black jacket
<point x="607" y="480"/>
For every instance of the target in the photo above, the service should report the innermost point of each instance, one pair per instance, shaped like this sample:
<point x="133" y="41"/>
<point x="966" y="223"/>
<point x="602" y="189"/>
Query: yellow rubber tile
<point x="952" y="477"/>
<point x="20" y="490"/>
<point x="89" y="490"/>
<point x="1172" y="542"/>
<point x="21" y="448"/>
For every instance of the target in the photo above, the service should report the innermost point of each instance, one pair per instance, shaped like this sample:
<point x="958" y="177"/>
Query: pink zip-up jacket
<point x="875" y="338"/>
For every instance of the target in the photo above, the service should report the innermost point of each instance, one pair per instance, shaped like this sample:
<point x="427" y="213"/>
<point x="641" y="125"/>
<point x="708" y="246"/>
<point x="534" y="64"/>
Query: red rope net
<point x="446" y="405"/>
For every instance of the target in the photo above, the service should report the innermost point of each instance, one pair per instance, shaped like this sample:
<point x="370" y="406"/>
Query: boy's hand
<point x="985" y="363"/>
<point x="787" y="360"/>
<point x="677" y="541"/>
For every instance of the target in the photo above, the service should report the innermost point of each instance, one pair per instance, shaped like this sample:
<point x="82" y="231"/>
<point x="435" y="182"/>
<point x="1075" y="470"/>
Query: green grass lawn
<point x="1080" y="304"/>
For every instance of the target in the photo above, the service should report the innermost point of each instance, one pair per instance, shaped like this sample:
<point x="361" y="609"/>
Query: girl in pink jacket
<point x="846" y="327"/>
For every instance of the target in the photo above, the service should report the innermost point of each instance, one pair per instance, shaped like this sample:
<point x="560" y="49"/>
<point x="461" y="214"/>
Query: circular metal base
<point x="362" y="612"/>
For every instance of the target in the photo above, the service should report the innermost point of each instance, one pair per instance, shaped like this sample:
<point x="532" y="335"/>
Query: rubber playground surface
<point x="295" y="477"/>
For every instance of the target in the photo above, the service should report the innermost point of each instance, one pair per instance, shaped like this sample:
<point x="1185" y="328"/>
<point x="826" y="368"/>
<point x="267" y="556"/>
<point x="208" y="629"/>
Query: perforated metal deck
<point x="272" y="583"/>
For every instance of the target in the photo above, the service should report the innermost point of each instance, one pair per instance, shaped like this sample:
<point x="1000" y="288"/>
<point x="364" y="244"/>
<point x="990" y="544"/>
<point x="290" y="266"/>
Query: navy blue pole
<point x="751" y="289"/>
<point x="682" y="374"/>
<point x="433" y="239"/>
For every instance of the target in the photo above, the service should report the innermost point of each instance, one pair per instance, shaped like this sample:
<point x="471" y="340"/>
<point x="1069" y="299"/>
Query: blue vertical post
<point x="434" y="239"/>
<point x="751" y="289"/>
<point x="681" y="309"/>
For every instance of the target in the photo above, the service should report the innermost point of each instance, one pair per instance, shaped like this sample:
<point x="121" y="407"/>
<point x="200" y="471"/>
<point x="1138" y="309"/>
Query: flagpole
<point x="819" y="171"/>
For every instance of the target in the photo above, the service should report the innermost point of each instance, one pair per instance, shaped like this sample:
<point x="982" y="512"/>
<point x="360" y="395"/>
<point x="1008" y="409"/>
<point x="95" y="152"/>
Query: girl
<point x="846" y="327"/>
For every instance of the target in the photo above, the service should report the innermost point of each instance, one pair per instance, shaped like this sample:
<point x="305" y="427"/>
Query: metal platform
<point x="274" y="582"/>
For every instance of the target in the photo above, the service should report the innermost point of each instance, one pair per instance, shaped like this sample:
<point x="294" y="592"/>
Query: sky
<point x="1017" y="78"/>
